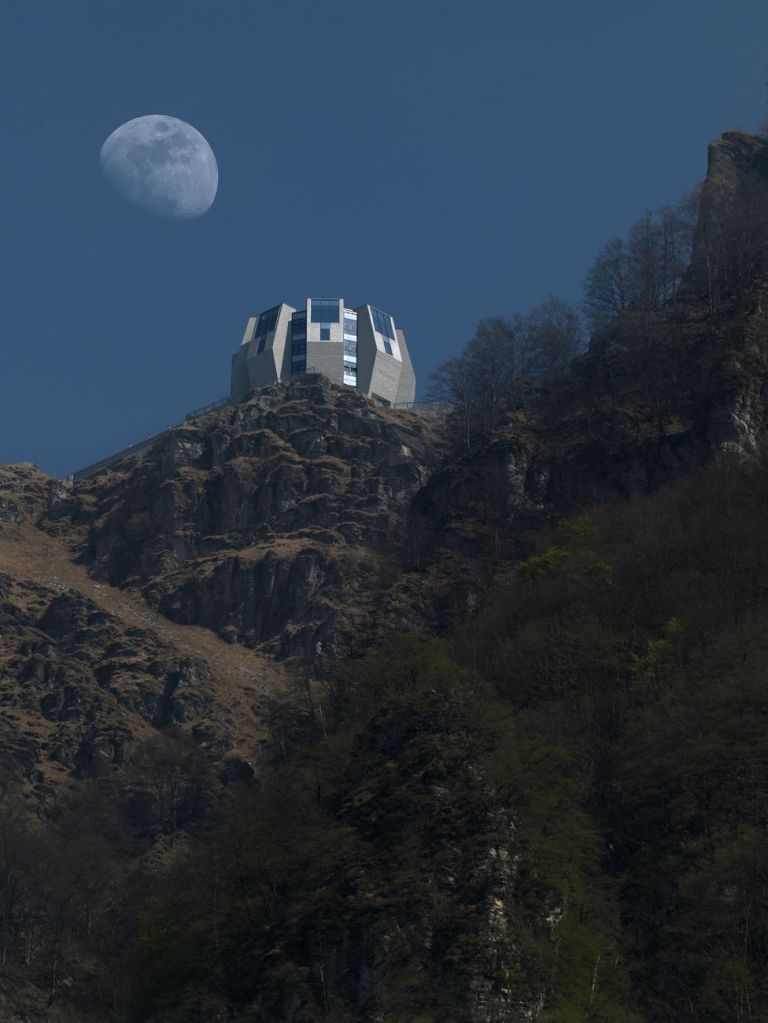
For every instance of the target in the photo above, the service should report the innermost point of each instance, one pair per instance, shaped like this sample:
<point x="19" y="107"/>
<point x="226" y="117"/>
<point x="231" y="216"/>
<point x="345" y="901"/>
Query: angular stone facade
<point x="360" y="348"/>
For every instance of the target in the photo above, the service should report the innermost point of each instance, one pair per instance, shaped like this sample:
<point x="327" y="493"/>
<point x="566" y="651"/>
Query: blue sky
<point x="444" y="161"/>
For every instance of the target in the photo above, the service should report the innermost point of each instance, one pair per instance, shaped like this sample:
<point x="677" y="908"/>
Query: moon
<point x="163" y="165"/>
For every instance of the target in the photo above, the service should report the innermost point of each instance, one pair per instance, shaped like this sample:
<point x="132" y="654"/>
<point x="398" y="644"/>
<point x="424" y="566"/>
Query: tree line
<point x="482" y="384"/>
<point x="644" y="270"/>
<point x="713" y="241"/>
<point x="641" y="272"/>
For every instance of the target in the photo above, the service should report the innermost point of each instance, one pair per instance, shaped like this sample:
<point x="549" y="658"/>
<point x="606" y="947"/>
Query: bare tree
<point x="553" y="338"/>
<point x="677" y="224"/>
<point x="176" y="773"/>
<point x="607" y="288"/>
<point x="478" y="385"/>
<point x="14" y="856"/>
<point x="645" y="262"/>
<point x="645" y="270"/>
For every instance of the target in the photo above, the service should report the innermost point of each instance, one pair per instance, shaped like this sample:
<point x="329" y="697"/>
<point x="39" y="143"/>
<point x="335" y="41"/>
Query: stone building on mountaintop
<point x="360" y="348"/>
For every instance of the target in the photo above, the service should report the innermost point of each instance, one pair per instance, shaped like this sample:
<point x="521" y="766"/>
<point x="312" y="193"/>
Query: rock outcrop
<point x="279" y="522"/>
<point x="25" y="494"/>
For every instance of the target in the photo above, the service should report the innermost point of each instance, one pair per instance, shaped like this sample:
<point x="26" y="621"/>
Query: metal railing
<point x="419" y="404"/>
<point x="219" y="403"/>
<point x="144" y="445"/>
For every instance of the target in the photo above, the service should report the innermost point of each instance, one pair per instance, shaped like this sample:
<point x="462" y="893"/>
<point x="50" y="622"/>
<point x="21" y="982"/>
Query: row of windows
<point x="298" y="342"/>
<point x="325" y="310"/>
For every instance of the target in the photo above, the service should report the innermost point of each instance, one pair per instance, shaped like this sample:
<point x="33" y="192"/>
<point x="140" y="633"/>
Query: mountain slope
<point x="216" y="802"/>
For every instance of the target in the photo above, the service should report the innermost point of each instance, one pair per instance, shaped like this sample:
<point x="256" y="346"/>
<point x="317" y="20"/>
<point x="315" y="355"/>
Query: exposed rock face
<point x="77" y="688"/>
<point x="87" y="673"/>
<point x="25" y="493"/>
<point x="267" y="521"/>
<point x="737" y="167"/>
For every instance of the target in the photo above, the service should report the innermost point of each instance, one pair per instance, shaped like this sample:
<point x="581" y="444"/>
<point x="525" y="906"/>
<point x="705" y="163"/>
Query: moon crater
<point x="163" y="165"/>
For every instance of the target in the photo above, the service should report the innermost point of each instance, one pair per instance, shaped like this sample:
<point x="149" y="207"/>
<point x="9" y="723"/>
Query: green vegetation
<point x="433" y="833"/>
<point x="566" y="803"/>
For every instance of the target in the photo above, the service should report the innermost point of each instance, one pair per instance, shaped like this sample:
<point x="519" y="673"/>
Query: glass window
<point x="387" y="347"/>
<point x="382" y="322"/>
<point x="325" y="333"/>
<point x="265" y="326"/>
<point x="325" y="310"/>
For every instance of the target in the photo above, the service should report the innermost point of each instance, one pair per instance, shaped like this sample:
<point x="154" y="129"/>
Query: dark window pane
<point x="325" y="333"/>
<point x="382" y="322"/>
<point x="325" y="310"/>
<point x="265" y="326"/>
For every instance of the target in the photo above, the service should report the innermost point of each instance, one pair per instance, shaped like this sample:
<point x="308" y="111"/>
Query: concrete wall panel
<point x="326" y="357"/>
<point x="406" y="389"/>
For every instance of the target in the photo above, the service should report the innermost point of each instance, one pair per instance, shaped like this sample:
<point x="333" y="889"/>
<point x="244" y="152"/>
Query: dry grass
<point x="242" y="680"/>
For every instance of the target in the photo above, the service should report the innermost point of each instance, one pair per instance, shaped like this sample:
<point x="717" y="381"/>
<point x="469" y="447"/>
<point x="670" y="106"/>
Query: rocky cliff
<point x="278" y="523"/>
